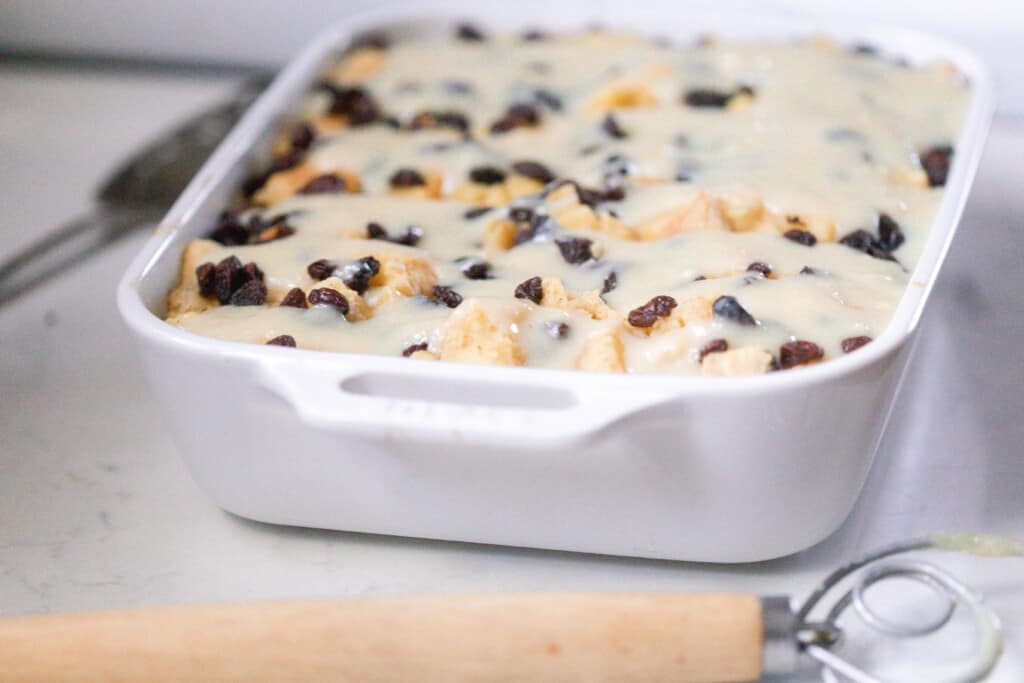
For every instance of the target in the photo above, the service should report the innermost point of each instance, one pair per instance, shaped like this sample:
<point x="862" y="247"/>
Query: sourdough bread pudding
<point x="599" y="201"/>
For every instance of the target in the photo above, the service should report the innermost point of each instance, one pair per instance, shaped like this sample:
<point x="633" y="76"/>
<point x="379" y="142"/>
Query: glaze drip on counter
<point x="599" y="201"/>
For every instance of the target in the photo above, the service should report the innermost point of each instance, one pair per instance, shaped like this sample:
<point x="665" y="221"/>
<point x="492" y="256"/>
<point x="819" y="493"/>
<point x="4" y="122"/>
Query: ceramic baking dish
<point x="710" y="469"/>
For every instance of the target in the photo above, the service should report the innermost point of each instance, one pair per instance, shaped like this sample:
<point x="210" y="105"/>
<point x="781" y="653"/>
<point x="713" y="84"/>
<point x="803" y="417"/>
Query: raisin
<point x="935" y="162"/>
<point x="407" y="177"/>
<point x="250" y="271"/>
<point x="557" y="329"/>
<point x="521" y="214"/>
<point x="447" y="296"/>
<point x="229" y="231"/>
<point x="704" y="97"/>
<point x="807" y="270"/>
<point x="533" y="170"/>
<point x="357" y="275"/>
<point x="794" y="353"/>
<point x="728" y="308"/>
<point x="517" y="116"/>
<point x="864" y="241"/>
<point x="283" y="340"/>
<point x="531" y="289"/>
<point x="759" y="267"/>
<point x="801" y="237"/>
<point x="283" y="162"/>
<point x="610" y="125"/>
<point x="321" y="269"/>
<point x="302" y="137"/>
<point x="355" y="104"/>
<point x="476" y="270"/>
<point x="295" y="298"/>
<point x="713" y="346"/>
<point x="890" y="237"/>
<point x="476" y="212"/>
<point x="273" y="232"/>
<point x="329" y="297"/>
<point x="575" y="250"/>
<point x="375" y="40"/>
<point x="610" y="282"/>
<point x="487" y="175"/>
<point x="252" y="293"/>
<point x="409" y="350"/>
<point x="439" y="119"/>
<point x="548" y="99"/>
<point x="205" y="278"/>
<point x="411" y="237"/>
<point x="225" y="280"/>
<point x="659" y="307"/>
<point x="534" y="35"/>
<point x="325" y="184"/>
<point x="376" y="231"/>
<point x="469" y="33"/>
<point x="528" y="231"/>
<point x="851" y="344"/>
<point x="458" y="87"/>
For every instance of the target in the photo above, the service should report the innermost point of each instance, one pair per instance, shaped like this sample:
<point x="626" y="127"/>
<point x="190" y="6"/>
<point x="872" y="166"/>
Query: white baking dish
<point x="711" y="469"/>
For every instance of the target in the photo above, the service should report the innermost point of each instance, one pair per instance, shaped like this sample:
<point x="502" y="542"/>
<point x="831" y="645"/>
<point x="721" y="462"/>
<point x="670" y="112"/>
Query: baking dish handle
<point x="436" y="406"/>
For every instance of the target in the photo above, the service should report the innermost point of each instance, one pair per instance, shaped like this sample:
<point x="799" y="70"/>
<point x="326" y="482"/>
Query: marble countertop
<point x="97" y="509"/>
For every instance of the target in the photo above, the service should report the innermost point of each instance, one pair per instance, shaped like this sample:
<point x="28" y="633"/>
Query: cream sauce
<point x="821" y="135"/>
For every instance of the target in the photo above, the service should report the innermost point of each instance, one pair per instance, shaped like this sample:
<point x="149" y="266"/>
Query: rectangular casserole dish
<point x="690" y="468"/>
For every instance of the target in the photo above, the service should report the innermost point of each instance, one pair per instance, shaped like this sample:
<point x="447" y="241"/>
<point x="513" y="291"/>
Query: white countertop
<point x="97" y="510"/>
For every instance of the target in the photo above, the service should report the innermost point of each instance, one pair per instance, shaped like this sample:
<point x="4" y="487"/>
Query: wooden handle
<point x="645" y="637"/>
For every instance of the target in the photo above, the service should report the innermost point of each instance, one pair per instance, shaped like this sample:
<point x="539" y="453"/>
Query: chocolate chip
<point x="801" y="237"/>
<point x="517" y="116"/>
<point x="357" y="275"/>
<point x="575" y="250"/>
<point x="225" y="278"/>
<point x="890" y="237"/>
<point x="557" y="329"/>
<point x="329" y="297"/>
<point x="476" y="270"/>
<point x="713" y="346"/>
<point x="302" y="136"/>
<point x="610" y="283"/>
<point x="864" y="241"/>
<point x="659" y="307"/>
<point x="469" y="32"/>
<point x="728" y="308"/>
<point x="487" y="175"/>
<point x="327" y="183"/>
<point x="935" y="162"/>
<point x="476" y="212"/>
<point x="534" y="170"/>
<point x="447" y="296"/>
<point x="759" y="267"/>
<point x="355" y="104"/>
<point x="705" y="97"/>
<point x="794" y="353"/>
<point x="439" y="119"/>
<point x="407" y="177"/>
<point x="548" y="99"/>
<point x="851" y="344"/>
<point x="409" y="350"/>
<point x="295" y="298"/>
<point x="610" y="125"/>
<point x="252" y="293"/>
<point x="531" y="289"/>
<point x="283" y="340"/>
<point x="205" y="278"/>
